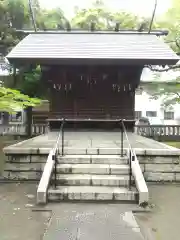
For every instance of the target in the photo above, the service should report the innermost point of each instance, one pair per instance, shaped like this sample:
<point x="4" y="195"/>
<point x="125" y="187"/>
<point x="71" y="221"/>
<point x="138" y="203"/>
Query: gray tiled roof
<point x="94" y="46"/>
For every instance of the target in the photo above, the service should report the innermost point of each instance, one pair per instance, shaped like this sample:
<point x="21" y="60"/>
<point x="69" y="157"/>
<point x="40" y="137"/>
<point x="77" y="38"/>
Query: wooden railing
<point x="20" y="129"/>
<point x="159" y="131"/>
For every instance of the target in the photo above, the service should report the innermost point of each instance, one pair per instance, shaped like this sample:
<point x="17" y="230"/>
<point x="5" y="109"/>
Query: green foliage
<point x="97" y="14"/>
<point x="7" y="34"/>
<point x="18" y="13"/>
<point x="13" y="14"/>
<point x="104" y="19"/>
<point x="12" y="100"/>
<point x="168" y="92"/>
<point x="29" y="83"/>
<point x="51" y="19"/>
<point x="171" y="21"/>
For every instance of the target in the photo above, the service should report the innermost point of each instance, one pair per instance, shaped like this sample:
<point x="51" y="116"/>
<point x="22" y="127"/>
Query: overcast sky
<point x="141" y="7"/>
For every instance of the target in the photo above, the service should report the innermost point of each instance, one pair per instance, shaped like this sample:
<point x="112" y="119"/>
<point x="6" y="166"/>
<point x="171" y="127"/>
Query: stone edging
<point x="45" y="180"/>
<point x="93" y="151"/>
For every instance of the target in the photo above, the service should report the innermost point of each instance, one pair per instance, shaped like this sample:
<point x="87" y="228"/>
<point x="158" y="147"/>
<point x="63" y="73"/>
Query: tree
<point x="8" y="37"/>
<point x="104" y="19"/>
<point x="29" y="84"/>
<point x="97" y="14"/>
<point x="51" y="19"/>
<point x="172" y="21"/>
<point x="14" y="14"/>
<point x="169" y="92"/>
<point x="18" y="13"/>
<point x="13" y="100"/>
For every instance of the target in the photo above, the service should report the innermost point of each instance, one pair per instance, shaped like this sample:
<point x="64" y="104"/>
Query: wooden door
<point x="91" y="93"/>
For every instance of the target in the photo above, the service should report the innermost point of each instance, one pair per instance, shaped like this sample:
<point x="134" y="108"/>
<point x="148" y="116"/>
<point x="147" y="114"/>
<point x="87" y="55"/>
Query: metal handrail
<point x="131" y="153"/>
<point x="56" y="150"/>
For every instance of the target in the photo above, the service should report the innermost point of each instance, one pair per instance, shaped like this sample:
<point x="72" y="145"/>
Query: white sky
<point x="141" y="7"/>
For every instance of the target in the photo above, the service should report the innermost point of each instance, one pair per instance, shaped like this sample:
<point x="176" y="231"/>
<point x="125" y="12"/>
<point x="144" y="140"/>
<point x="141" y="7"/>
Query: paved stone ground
<point x="93" y="222"/>
<point x="21" y="219"/>
<point x="17" y="220"/>
<point x="91" y="140"/>
<point x="163" y="222"/>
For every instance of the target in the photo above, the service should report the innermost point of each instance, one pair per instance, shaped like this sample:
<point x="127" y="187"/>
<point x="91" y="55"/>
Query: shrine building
<point x="91" y="76"/>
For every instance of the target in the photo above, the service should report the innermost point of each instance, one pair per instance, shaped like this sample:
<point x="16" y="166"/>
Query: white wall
<point x="143" y="103"/>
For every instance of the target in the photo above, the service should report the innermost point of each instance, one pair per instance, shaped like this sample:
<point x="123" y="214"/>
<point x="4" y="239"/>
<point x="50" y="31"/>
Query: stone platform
<point x="26" y="160"/>
<point x="88" y="142"/>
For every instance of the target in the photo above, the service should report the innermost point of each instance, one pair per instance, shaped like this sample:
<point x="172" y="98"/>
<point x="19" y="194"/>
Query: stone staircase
<point x="93" y="178"/>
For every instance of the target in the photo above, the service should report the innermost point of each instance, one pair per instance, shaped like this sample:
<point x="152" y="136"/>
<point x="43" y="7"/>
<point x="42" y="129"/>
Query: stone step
<point x="92" y="150"/>
<point x="93" y="169"/>
<point x="107" y="159"/>
<point x="94" y="180"/>
<point x="92" y="193"/>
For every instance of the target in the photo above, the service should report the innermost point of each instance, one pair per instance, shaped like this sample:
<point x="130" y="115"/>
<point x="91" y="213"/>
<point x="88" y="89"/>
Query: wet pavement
<point x="93" y="221"/>
<point x="19" y="219"/>
<point x="163" y="222"/>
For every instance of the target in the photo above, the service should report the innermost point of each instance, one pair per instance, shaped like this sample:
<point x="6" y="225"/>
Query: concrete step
<point x="92" y="193"/>
<point x="92" y="150"/>
<point x="107" y="159"/>
<point x="93" y="169"/>
<point x="92" y="180"/>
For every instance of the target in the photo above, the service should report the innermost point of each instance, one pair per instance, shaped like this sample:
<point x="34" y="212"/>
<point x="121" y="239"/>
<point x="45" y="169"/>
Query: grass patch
<point x="173" y="144"/>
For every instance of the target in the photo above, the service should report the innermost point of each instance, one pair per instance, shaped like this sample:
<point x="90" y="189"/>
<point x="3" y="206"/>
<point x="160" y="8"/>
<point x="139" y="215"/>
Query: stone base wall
<point x="160" y="168"/>
<point x="21" y="167"/>
<point x="24" y="167"/>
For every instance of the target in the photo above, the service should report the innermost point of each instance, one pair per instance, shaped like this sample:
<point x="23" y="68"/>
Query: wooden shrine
<point x="91" y="77"/>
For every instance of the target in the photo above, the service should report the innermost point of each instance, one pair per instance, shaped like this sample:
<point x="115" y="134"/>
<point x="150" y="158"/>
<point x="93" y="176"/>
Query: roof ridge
<point x="125" y="32"/>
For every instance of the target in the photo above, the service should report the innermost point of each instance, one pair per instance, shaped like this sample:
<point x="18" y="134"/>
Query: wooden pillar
<point x="29" y="122"/>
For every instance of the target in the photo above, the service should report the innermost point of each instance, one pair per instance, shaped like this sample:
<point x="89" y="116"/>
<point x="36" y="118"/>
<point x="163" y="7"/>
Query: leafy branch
<point x="13" y="100"/>
<point x="163" y="70"/>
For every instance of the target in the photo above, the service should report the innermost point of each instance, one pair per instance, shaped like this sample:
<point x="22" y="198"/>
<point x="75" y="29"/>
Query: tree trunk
<point x="29" y="122"/>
